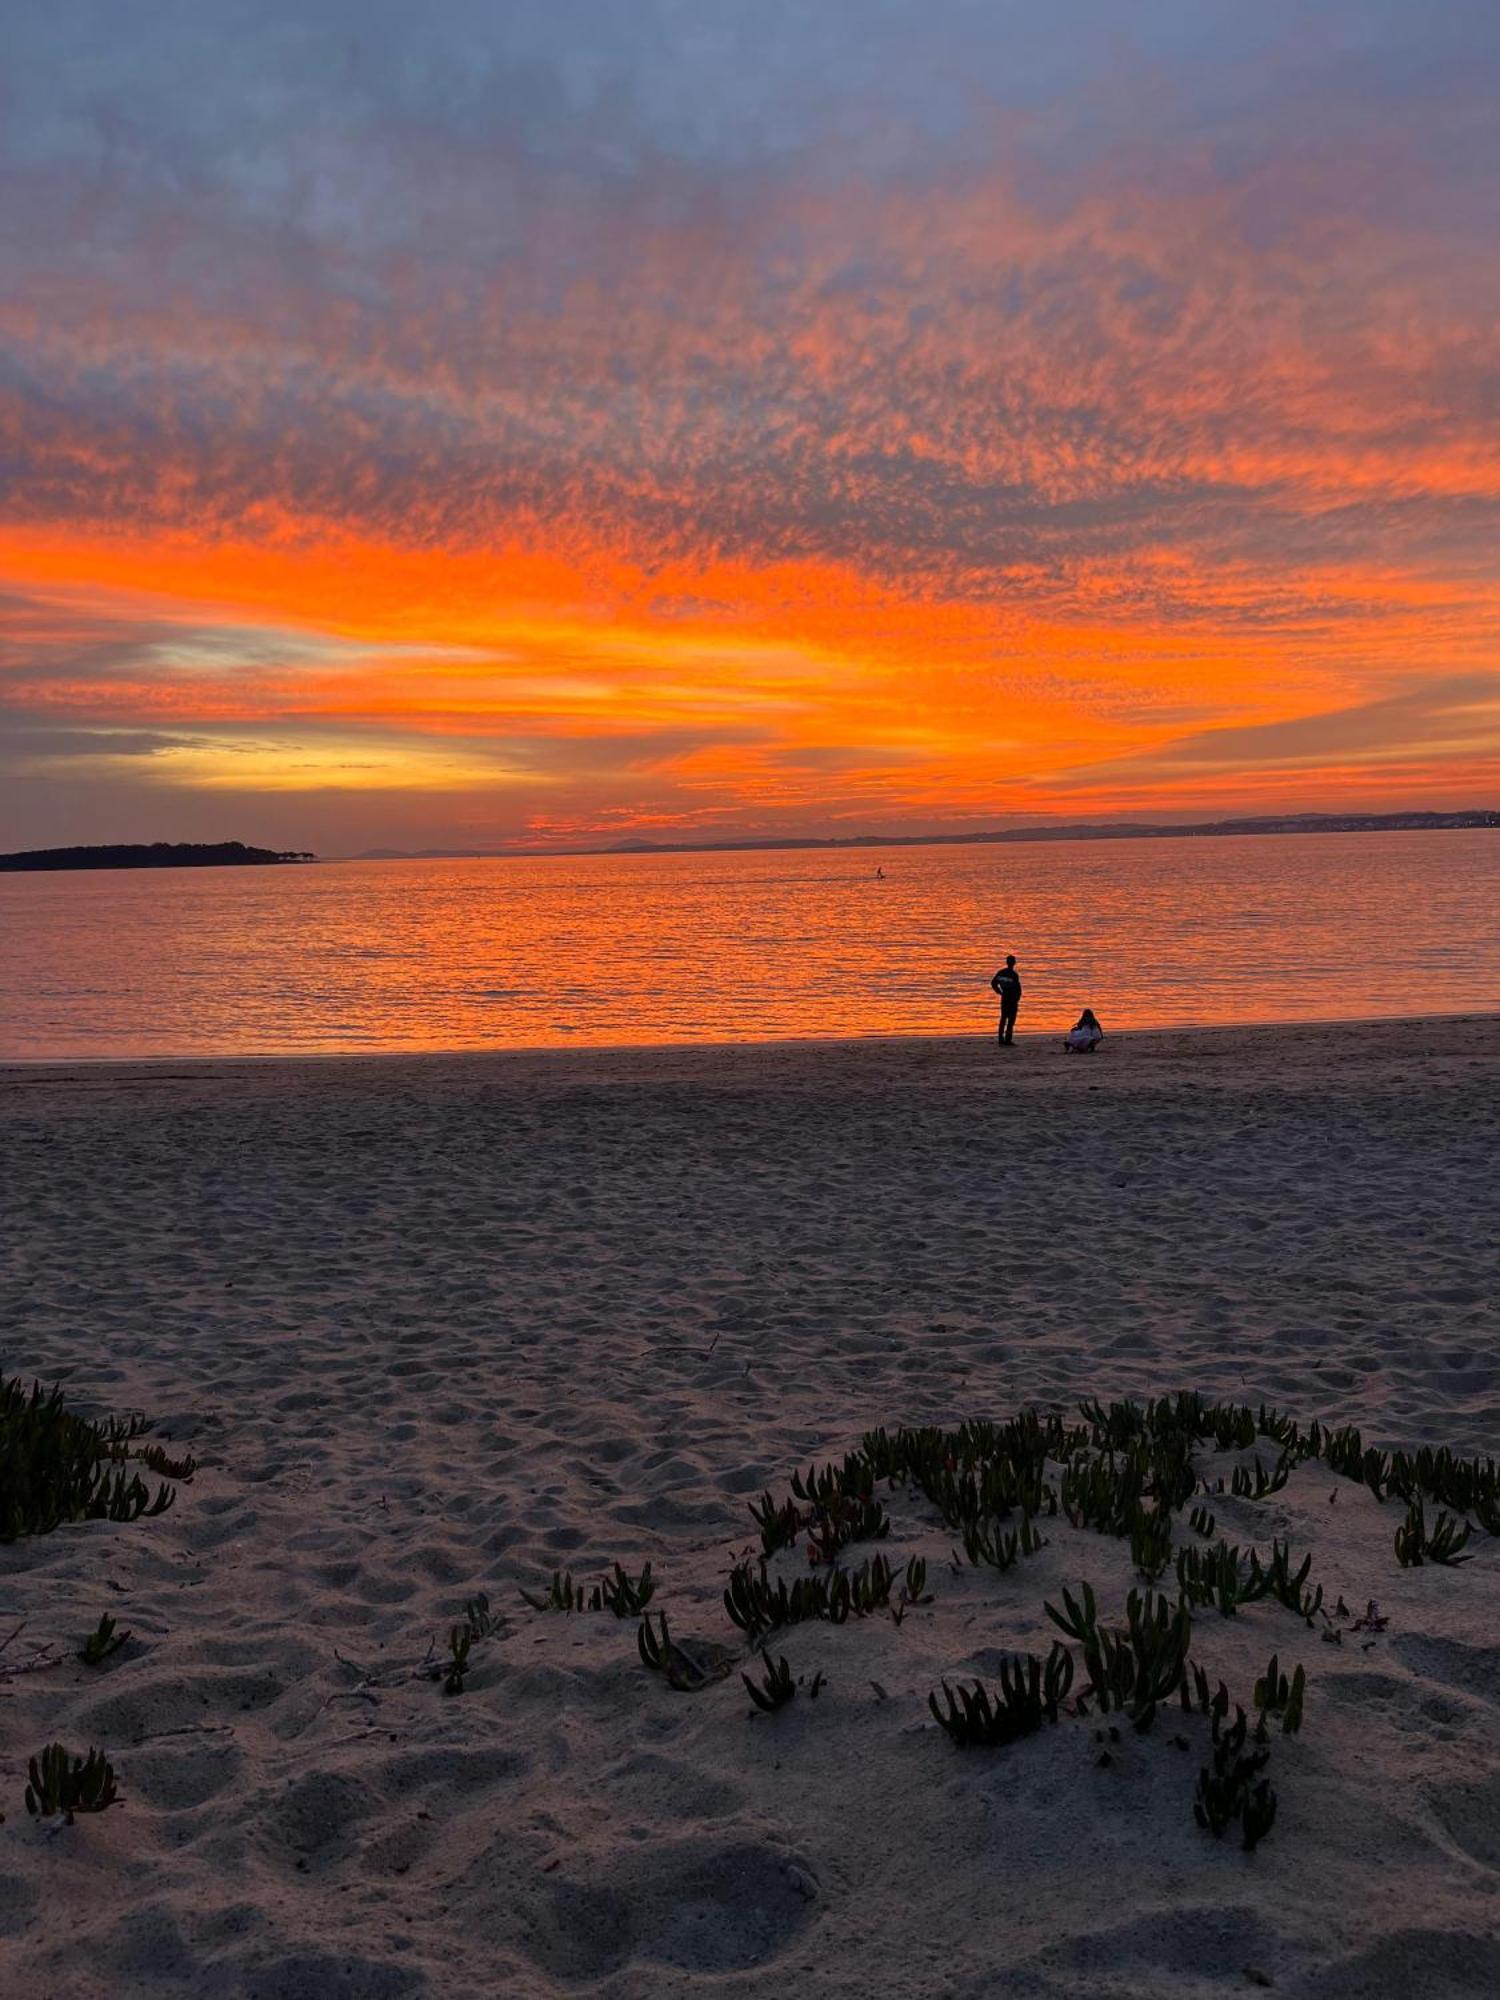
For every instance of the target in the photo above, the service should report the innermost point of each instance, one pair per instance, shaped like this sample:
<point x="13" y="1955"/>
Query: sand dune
<point x="441" y="1325"/>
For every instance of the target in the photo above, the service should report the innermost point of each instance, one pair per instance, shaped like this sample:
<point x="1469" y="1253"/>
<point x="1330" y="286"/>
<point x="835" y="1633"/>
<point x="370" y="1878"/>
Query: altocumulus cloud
<point x="1028" y="383"/>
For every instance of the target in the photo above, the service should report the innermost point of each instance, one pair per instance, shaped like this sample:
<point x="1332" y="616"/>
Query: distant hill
<point x="1408" y="822"/>
<point x="159" y="854"/>
<point x="1400" y="822"/>
<point x="423" y="854"/>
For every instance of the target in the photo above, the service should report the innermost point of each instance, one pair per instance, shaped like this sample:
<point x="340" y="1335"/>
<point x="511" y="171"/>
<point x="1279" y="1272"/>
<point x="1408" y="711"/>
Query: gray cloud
<point x="549" y="264"/>
<point x="25" y="743"/>
<point x="1463" y="701"/>
<point x="1180" y="314"/>
<point x="840" y="757"/>
<point x="1459" y="711"/>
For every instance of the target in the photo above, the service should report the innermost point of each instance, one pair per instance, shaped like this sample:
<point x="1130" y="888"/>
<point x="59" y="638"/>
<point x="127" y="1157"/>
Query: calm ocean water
<point x="359" y="956"/>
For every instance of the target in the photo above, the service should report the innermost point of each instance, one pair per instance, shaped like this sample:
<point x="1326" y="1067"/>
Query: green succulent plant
<point x="57" y="1467"/>
<point x="1125" y="1469"/>
<point x="1444" y="1544"/>
<point x="625" y="1595"/>
<point x="481" y="1621"/>
<point x="654" y="1646"/>
<point x="1215" y="1703"/>
<point x="65" y="1784"/>
<point x="1286" y="1585"/>
<point x="831" y="1526"/>
<point x="562" y="1594"/>
<point x="101" y="1642"/>
<point x="460" y="1643"/>
<point x="1232" y="1787"/>
<point x="914" y="1583"/>
<point x="1151" y="1541"/>
<point x="1030" y="1693"/>
<point x="1215" y="1576"/>
<point x="1257" y="1485"/>
<point x="776" y="1687"/>
<point x="1276" y="1695"/>
<point x="780" y="1523"/>
<point x="1077" y="1620"/>
<point x="1137" y="1669"/>
<point x="156" y="1460"/>
<point x="690" y="1666"/>
<point x="990" y="1547"/>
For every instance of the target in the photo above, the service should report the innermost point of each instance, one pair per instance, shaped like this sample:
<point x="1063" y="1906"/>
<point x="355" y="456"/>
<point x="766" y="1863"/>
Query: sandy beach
<point x="437" y="1326"/>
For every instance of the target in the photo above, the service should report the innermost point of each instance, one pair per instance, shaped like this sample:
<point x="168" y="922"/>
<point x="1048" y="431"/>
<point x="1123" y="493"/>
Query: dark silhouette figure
<point x="1007" y="983"/>
<point x="1086" y="1036"/>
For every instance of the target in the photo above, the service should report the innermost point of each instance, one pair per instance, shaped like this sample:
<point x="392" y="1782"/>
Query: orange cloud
<point x="881" y="507"/>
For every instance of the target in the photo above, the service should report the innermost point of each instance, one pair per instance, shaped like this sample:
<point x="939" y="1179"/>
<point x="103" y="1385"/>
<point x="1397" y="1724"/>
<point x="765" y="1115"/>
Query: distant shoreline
<point x="1414" y="822"/>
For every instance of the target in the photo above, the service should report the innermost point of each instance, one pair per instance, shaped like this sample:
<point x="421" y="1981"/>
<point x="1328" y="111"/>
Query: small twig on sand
<point x="368" y="1681"/>
<point x="364" y="1692"/>
<point x="185" y="1729"/>
<point x="44" y="1656"/>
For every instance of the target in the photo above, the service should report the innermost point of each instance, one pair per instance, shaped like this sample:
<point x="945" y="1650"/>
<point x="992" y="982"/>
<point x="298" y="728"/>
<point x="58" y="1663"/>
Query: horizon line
<point x="1416" y="819"/>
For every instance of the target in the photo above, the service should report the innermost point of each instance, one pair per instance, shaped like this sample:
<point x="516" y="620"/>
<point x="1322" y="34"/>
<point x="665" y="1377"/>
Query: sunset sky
<point x="486" y="424"/>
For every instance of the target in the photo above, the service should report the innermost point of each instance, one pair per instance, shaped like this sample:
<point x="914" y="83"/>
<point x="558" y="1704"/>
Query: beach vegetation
<point x="779" y="1522"/>
<point x="1211" y="1702"/>
<point x="831" y="1529"/>
<point x="61" y="1783"/>
<point x="481" y="1621"/>
<point x="156" y="1459"/>
<point x="689" y="1665"/>
<point x="869" y="1586"/>
<point x="1030" y="1692"/>
<point x="990" y="1546"/>
<point x="652" y="1644"/>
<point x="460" y="1642"/>
<point x="1276" y="1695"/>
<point x="1151" y="1541"/>
<point x="625" y="1595"/>
<point x="57" y="1467"/>
<point x="1079" y="1619"/>
<point x="1444" y="1543"/>
<point x="913" y="1589"/>
<point x="1135" y="1669"/>
<point x="1232" y="1786"/>
<point x="1246" y="1484"/>
<point x="1217" y="1576"/>
<point x="776" y="1687"/>
<point x="839" y="1507"/>
<point x="101" y="1642"/>
<point x="1288" y="1586"/>
<point x="757" y="1605"/>
<point x="562" y="1594"/>
<point x="1127" y="1470"/>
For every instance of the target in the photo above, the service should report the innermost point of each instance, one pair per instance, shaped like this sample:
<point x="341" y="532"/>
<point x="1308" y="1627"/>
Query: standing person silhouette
<point x="1007" y="983"/>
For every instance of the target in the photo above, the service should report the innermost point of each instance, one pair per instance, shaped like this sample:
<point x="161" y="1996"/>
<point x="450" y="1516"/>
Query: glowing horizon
<point x="888" y="419"/>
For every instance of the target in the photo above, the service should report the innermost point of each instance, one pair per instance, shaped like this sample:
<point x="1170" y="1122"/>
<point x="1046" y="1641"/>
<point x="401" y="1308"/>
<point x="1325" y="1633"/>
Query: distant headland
<point x="1397" y="822"/>
<point x="1394" y="822"/>
<point x="155" y="854"/>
